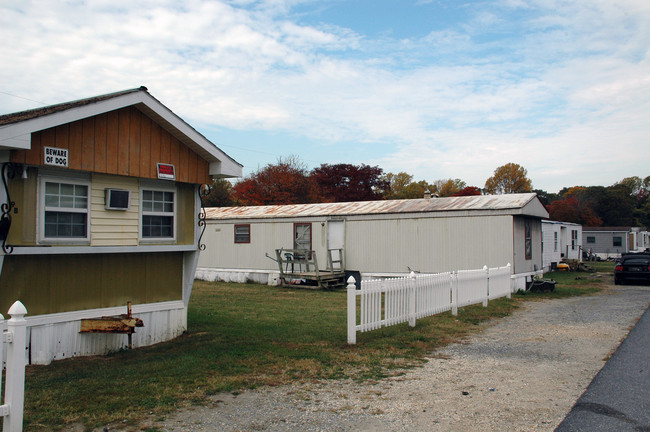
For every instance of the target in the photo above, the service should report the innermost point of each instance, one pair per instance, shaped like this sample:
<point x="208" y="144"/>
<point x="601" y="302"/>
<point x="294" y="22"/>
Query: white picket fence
<point x="386" y="302"/>
<point x="14" y="335"/>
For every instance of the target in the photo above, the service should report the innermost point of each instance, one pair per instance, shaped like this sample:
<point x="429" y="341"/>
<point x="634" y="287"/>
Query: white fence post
<point x="412" y="295"/>
<point x="15" y="385"/>
<point x="453" y="282"/>
<point x="352" y="311"/>
<point x="487" y="285"/>
<point x="509" y="295"/>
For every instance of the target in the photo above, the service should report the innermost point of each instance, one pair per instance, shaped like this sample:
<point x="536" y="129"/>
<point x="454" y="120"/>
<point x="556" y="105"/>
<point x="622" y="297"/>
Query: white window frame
<point x="66" y="179"/>
<point x="156" y="187"/>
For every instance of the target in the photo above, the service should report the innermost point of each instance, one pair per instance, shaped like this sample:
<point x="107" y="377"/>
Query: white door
<point x="336" y="240"/>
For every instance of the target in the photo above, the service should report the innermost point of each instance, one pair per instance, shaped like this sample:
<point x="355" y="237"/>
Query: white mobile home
<point x="561" y="241"/>
<point x="378" y="238"/>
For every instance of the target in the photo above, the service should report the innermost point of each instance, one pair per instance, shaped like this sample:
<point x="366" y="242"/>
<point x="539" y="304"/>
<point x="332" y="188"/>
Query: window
<point x="528" y="246"/>
<point x="591" y="239"/>
<point x="158" y="214"/>
<point x="618" y="241"/>
<point x="65" y="214"/>
<point x="555" y="242"/>
<point x="574" y="239"/>
<point x="242" y="233"/>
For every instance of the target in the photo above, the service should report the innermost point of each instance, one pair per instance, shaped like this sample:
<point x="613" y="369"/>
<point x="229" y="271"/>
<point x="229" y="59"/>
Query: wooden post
<point x="352" y="311"/>
<point x="15" y="386"/>
<point x="130" y="334"/>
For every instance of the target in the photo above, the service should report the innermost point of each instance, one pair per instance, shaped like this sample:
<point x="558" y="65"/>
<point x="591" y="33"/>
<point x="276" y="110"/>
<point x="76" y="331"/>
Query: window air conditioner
<point x="117" y="199"/>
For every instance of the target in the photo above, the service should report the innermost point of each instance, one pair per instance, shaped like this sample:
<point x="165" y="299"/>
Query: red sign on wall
<point x="166" y="172"/>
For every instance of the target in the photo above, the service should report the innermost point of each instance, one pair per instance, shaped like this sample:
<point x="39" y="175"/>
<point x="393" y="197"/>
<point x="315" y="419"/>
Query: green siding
<point x="186" y="213"/>
<point x="63" y="283"/>
<point x="23" y="217"/>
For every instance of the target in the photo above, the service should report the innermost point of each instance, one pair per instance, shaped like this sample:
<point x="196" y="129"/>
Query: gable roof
<point x="15" y="128"/>
<point x="527" y="204"/>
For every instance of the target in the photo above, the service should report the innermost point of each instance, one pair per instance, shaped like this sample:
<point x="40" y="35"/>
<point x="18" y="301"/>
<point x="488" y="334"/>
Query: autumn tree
<point x="467" y="191"/>
<point x="507" y="179"/>
<point x="570" y="209"/>
<point x="402" y="186"/>
<point x="286" y="182"/>
<point x="417" y="189"/>
<point x="398" y="183"/>
<point x="346" y="182"/>
<point x="448" y="187"/>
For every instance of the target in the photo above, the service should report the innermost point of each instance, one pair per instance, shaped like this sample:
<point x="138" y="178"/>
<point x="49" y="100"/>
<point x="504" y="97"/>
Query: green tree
<point x="546" y="197"/>
<point x="507" y="179"/>
<point x="220" y="194"/>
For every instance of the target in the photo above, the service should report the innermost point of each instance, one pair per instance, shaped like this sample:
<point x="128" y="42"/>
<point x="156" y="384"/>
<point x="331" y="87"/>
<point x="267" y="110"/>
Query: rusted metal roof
<point x="466" y="203"/>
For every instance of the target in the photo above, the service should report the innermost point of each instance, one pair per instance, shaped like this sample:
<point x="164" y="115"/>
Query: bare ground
<point x="522" y="373"/>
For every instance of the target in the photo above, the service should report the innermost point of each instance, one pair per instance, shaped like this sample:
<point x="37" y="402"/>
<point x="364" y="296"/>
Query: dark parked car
<point x="632" y="267"/>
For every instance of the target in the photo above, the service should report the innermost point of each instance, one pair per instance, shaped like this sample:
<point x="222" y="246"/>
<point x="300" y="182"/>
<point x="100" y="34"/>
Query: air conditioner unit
<point x="117" y="199"/>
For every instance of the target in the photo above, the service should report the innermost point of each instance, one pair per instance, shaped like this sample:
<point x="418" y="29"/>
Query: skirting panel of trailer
<point x="57" y="336"/>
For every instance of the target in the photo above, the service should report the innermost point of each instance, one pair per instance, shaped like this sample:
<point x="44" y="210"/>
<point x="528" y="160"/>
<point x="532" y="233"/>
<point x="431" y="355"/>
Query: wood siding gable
<point x="123" y="142"/>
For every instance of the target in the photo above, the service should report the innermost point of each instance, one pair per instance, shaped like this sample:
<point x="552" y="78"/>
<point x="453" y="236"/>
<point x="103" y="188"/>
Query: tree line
<point x="289" y="181"/>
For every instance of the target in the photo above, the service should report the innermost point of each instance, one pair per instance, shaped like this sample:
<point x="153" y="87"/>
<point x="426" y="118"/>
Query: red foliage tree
<point x="570" y="209"/>
<point x="468" y="191"/>
<point x="346" y="182"/>
<point x="286" y="182"/>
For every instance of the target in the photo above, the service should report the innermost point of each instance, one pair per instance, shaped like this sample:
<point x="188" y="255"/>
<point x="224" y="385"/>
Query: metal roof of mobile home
<point x="521" y="204"/>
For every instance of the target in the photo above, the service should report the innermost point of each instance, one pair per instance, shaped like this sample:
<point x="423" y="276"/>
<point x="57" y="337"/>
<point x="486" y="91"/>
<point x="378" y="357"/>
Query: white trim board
<point x="98" y="313"/>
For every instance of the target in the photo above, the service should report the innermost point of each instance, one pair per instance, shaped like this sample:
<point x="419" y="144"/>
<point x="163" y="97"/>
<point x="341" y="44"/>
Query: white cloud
<point x="554" y="89"/>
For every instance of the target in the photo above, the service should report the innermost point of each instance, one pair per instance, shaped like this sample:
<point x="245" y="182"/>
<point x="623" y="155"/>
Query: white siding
<point x="377" y="245"/>
<point x="428" y="244"/>
<point x="265" y="237"/>
<point x="551" y="249"/>
<point x="113" y="227"/>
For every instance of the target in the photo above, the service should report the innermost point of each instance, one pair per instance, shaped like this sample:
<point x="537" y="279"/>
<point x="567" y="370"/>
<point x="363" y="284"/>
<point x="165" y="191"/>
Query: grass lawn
<point x="243" y="336"/>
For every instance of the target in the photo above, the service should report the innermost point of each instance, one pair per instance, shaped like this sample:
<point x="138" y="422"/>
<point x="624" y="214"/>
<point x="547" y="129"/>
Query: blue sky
<point x="437" y="89"/>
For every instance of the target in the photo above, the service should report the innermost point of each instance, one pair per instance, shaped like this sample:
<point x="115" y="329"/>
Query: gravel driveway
<point x="522" y="373"/>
